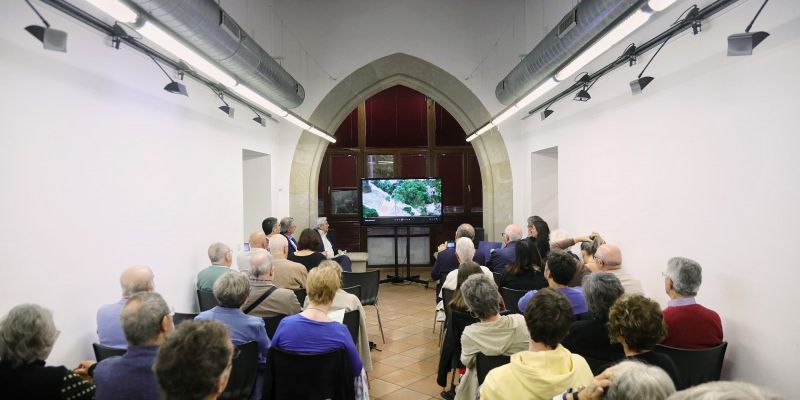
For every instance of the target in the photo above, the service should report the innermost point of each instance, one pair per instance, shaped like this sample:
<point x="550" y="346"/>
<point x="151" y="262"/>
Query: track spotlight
<point x="226" y="108"/>
<point x="172" y="86"/>
<point x="258" y="118"/>
<point x="742" y="44"/>
<point x="583" y="94"/>
<point x="638" y="84"/>
<point x="547" y="112"/>
<point x="52" y="39"/>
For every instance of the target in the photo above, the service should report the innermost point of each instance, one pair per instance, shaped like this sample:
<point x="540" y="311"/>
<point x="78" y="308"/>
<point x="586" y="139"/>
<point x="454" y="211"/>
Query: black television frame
<point x="394" y="221"/>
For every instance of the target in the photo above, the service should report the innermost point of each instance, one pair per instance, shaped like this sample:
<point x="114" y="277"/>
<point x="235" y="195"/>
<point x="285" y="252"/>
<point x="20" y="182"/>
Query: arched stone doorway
<point x="420" y="75"/>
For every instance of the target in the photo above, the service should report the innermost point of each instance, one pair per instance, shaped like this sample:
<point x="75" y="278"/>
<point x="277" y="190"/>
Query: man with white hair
<point x="266" y="299"/>
<point x="608" y="258"/>
<point x="327" y="247"/>
<point x="499" y="259"/>
<point x="133" y="280"/>
<point x="287" y="274"/>
<point x="258" y="240"/>
<point x="465" y="251"/>
<point x="287" y="230"/>
<point x="690" y="325"/>
<point x="446" y="259"/>
<point x="221" y="259"/>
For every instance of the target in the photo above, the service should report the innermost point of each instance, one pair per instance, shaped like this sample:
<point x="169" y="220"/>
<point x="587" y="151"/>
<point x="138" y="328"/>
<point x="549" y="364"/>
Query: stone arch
<point x="426" y="78"/>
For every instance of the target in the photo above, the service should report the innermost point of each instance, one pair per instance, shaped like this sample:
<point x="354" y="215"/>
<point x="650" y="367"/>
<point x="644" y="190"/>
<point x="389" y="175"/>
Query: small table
<point x="359" y="261"/>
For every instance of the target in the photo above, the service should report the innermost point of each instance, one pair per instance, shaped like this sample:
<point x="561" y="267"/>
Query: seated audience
<point x="287" y="228"/>
<point x="221" y="259"/>
<point x="312" y="331"/>
<point x="546" y="368"/>
<point x="464" y="272"/>
<point x="493" y="335"/>
<point x="327" y="245"/>
<point x="231" y="291"/>
<point x="279" y="301"/>
<point x="637" y="323"/>
<point x="270" y="227"/>
<point x="27" y="335"/>
<point x="725" y="390"/>
<point x="350" y="302"/>
<point x="559" y="270"/>
<point x="500" y="258"/>
<point x="689" y="325"/>
<point x="307" y="253"/>
<point x="288" y="274"/>
<point x="609" y="259"/>
<point x="133" y="280"/>
<point x="589" y="246"/>
<point x="465" y="251"/>
<point x="258" y="241"/>
<point x="628" y="380"/>
<point x="446" y="259"/>
<point x="589" y="337"/>
<point x="146" y="320"/>
<point x="539" y="235"/>
<point x="527" y="270"/>
<point x="195" y="361"/>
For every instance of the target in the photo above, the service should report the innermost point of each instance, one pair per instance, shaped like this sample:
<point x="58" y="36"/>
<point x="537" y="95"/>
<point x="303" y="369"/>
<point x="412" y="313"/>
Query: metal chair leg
<point x="380" y="325"/>
<point x="435" y="314"/>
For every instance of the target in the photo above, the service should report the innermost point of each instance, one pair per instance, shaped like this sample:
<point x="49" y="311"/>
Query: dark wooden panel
<point x="448" y="131"/>
<point x="475" y="184"/>
<point x="413" y="165"/>
<point x="347" y="133"/>
<point x="348" y="234"/>
<point x="396" y="117"/>
<point x="344" y="171"/>
<point x="450" y="167"/>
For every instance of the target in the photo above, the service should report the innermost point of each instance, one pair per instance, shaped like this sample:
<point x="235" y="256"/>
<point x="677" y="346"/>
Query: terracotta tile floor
<point x="406" y="368"/>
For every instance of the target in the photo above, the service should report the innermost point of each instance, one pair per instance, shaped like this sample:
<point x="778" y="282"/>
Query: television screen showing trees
<point x="401" y="201"/>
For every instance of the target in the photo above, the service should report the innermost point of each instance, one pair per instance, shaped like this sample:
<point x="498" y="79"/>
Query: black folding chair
<point x="271" y="324"/>
<point x="484" y="364"/>
<point x="301" y="295"/>
<point x="352" y="320"/>
<point x="206" y="300"/>
<point x="177" y="318"/>
<point x="286" y="372"/>
<point x="370" y="283"/>
<point x="242" y="379"/>
<point x="354" y="290"/>
<point x="102" y="352"/>
<point x="456" y="323"/>
<point x="447" y="296"/>
<point x="696" y="365"/>
<point x="596" y="365"/>
<point x="511" y="298"/>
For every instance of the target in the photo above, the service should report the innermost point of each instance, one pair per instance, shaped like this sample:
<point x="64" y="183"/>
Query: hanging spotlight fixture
<point x="226" y="108"/>
<point x="638" y="84"/>
<point x="547" y="112"/>
<point x="258" y="118"/>
<point x="173" y="86"/>
<point x="583" y="94"/>
<point x="742" y="44"/>
<point x="52" y="39"/>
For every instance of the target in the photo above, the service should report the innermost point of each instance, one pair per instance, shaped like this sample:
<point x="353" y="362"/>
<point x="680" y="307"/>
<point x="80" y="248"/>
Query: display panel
<point x="401" y="201"/>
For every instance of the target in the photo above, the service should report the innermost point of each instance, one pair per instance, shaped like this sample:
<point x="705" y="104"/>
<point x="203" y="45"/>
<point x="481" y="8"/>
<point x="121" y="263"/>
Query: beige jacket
<point x="289" y="274"/>
<point x="281" y="301"/>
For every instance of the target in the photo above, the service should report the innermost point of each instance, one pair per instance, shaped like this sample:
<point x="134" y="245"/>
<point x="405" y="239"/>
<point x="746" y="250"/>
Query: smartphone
<point x="246" y="247"/>
<point x="451" y="245"/>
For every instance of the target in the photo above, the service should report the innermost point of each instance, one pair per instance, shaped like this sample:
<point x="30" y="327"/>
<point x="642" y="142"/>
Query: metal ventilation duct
<point x="204" y="25"/>
<point x="579" y="28"/>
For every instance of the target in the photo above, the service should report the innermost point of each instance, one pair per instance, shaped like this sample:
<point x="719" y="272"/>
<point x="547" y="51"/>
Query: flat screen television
<point x="401" y="201"/>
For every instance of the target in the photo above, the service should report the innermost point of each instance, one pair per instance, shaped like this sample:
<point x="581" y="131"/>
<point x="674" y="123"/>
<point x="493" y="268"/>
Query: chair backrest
<point x="369" y="282"/>
<point x="352" y="320"/>
<point x="447" y="296"/>
<point x="484" y="364"/>
<point x="511" y="298"/>
<point x="102" y="352"/>
<point x="271" y="324"/>
<point x="596" y="365"/>
<point x="457" y="322"/>
<point x="301" y="295"/>
<point x="206" y="300"/>
<point x="286" y="371"/>
<point x="354" y="290"/>
<point x="177" y="318"/>
<point x="243" y="373"/>
<point x="696" y="365"/>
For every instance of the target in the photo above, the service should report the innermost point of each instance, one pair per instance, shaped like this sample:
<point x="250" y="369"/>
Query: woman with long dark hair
<point x="539" y="235"/>
<point x="527" y="270"/>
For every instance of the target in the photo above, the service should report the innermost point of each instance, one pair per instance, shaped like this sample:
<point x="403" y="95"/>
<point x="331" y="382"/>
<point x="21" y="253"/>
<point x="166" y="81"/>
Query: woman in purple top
<point x="312" y="331"/>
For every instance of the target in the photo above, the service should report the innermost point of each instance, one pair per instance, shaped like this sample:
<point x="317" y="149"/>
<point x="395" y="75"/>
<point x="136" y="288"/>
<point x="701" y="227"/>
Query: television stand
<point x="396" y="278"/>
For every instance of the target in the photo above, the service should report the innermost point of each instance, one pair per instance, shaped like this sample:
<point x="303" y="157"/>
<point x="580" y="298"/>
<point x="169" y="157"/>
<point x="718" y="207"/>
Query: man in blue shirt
<point x="559" y="270"/>
<point x="133" y="280"/>
<point x="146" y="321"/>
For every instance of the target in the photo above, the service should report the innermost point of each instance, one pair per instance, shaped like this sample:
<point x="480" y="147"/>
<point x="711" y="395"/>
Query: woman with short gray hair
<point x="231" y="290"/>
<point x="589" y="337"/>
<point x="494" y="335"/>
<point x="27" y="335"/>
<point x="633" y="380"/>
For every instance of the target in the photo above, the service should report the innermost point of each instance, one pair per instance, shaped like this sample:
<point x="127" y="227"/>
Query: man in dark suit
<point x="287" y="229"/>
<point x="507" y="254"/>
<point x="446" y="260"/>
<point x="327" y="246"/>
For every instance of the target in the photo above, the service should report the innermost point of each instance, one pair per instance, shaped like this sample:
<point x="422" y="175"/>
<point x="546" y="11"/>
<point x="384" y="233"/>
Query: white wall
<point x="101" y="169"/>
<point x="703" y="164"/>
<point x="544" y="185"/>
<point x="257" y="191"/>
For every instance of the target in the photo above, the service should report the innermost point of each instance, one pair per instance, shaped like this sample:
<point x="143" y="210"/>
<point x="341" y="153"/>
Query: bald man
<point x="133" y="280"/>
<point x="499" y="259"/>
<point x="286" y="274"/>
<point x="258" y="240"/>
<point x="609" y="259"/>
